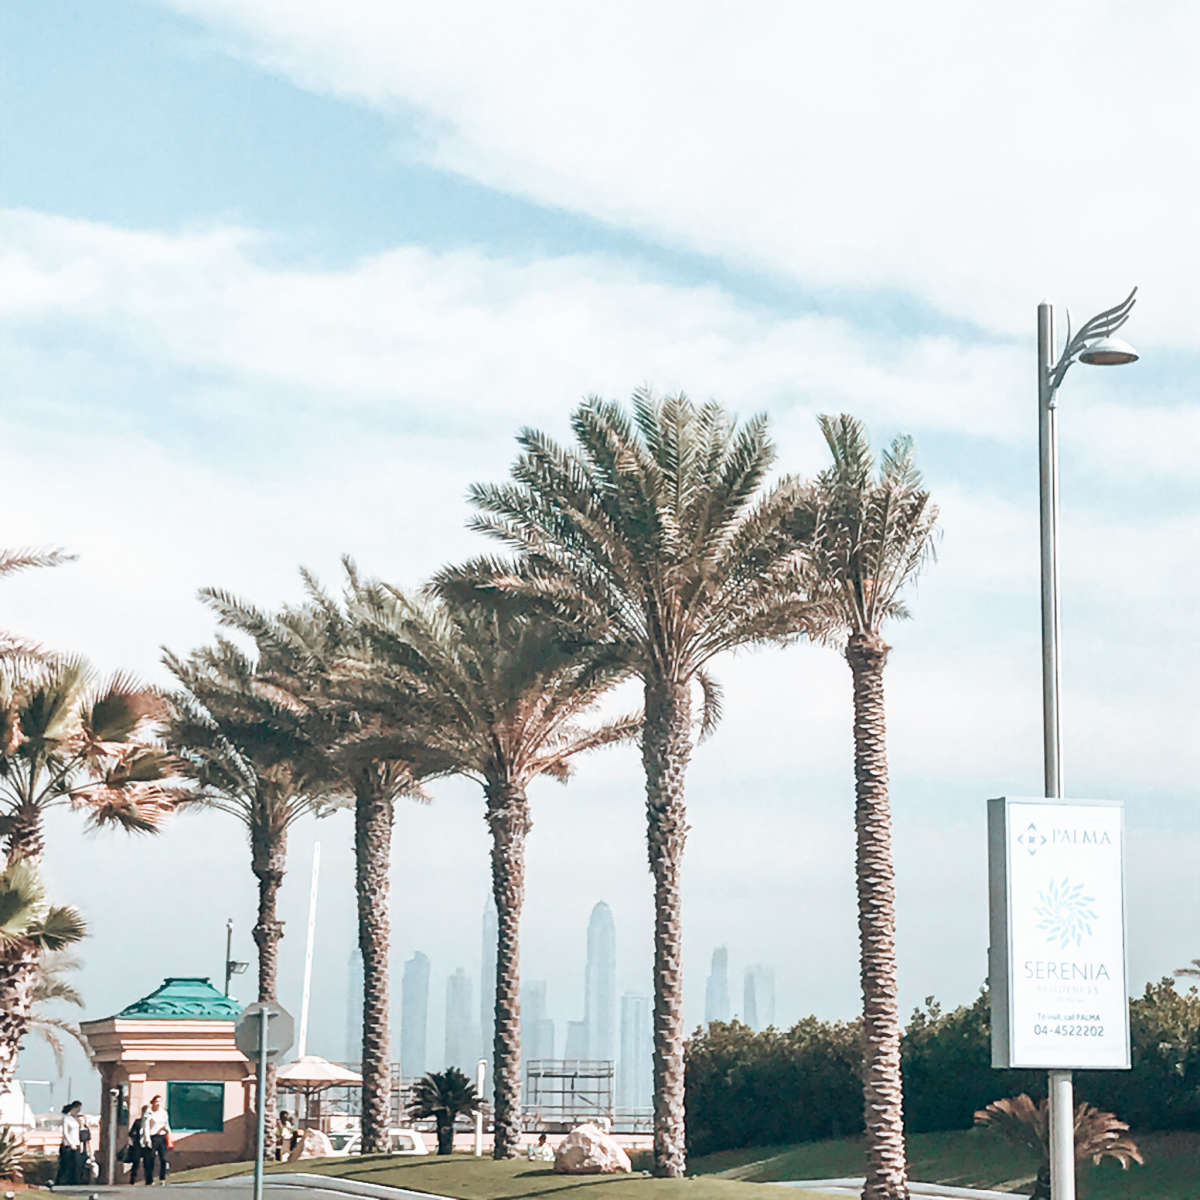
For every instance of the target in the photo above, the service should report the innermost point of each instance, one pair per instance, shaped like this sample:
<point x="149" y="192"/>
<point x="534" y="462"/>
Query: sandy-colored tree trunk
<point x="269" y="863"/>
<point x="18" y="961"/>
<point x="373" y="816"/>
<point x="666" y="749"/>
<point x="883" y="1093"/>
<point x="509" y="822"/>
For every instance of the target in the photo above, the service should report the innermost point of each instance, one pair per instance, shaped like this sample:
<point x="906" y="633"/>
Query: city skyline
<point x="600" y="986"/>
<point x="414" y="1015"/>
<point x="716" y="989"/>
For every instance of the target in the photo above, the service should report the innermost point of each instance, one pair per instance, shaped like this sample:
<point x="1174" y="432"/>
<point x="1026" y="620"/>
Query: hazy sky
<point x="280" y="278"/>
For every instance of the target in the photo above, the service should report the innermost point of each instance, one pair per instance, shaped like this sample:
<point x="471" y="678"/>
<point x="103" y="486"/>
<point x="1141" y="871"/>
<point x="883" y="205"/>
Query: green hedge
<point x="802" y="1084"/>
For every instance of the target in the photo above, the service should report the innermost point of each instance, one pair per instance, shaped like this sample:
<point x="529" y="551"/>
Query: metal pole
<point x="228" y="952"/>
<point x="260" y="1146"/>
<point x="110" y="1165"/>
<point x="480" y="1073"/>
<point x="1061" y="1097"/>
<point x="308" y="953"/>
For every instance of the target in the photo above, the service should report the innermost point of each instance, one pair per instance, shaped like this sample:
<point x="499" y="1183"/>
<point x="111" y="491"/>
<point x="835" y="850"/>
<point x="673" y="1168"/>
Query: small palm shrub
<point x="11" y="1148"/>
<point x="444" y="1096"/>
<point x="1098" y="1134"/>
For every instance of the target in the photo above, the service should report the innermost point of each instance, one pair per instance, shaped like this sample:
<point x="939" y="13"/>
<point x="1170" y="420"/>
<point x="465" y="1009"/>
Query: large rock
<point x="312" y="1143"/>
<point x="588" y="1150"/>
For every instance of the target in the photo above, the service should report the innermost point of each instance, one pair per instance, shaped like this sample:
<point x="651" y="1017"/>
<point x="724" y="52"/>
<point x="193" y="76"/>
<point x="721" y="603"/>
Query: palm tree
<point x="444" y="1095"/>
<point x="505" y="696"/>
<point x="53" y="987"/>
<point x="655" y="539"/>
<point x="873" y="531"/>
<point x="68" y="740"/>
<point x="1190" y="972"/>
<point x="228" y="729"/>
<point x="11" y="561"/>
<point x="376" y="759"/>
<point x="30" y="927"/>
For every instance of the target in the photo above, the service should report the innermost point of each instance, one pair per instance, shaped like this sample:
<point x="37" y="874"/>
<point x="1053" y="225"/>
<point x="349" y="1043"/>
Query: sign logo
<point x="1032" y="839"/>
<point x="1065" y="913"/>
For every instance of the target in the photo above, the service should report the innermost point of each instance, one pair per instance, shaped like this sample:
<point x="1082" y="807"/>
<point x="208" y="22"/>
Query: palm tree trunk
<point x="372" y="864"/>
<point x="26" y="835"/>
<point x="18" y="974"/>
<point x="883" y="1094"/>
<point x="666" y="748"/>
<point x="508" y="820"/>
<point x="269" y="860"/>
<point x="19" y="961"/>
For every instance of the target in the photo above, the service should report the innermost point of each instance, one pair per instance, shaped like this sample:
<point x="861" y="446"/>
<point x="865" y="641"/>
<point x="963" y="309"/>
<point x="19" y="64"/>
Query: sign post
<point x="1056" y="964"/>
<point x="480" y="1073"/>
<point x="263" y="1032"/>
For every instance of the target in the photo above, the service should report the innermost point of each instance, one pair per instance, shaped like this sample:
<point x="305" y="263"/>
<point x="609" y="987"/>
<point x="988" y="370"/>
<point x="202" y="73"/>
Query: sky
<point x="280" y="278"/>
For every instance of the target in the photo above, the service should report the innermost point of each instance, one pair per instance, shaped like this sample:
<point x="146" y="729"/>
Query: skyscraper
<point x="716" y="993"/>
<point x="487" y="982"/>
<point x="635" y="1071"/>
<point x="537" y="1029"/>
<point x="600" y="985"/>
<point x="414" y="1016"/>
<point x="354" y="1006"/>
<point x="462" y="1034"/>
<point x="759" y="997"/>
<point x="577" y="1040"/>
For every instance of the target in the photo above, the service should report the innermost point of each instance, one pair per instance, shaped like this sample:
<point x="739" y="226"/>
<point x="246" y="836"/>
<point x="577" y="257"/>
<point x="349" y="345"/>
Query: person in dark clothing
<point x="136" y="1154"/>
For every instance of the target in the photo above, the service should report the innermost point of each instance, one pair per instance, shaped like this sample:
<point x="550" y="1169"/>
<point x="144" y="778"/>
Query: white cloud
<point x="972" y="163"/>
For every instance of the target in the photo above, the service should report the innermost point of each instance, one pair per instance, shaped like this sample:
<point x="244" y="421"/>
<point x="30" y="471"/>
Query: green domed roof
<point x="181" y="997"/>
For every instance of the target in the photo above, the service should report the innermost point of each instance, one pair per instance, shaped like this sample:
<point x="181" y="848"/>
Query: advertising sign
<point x="1056" y="964"/>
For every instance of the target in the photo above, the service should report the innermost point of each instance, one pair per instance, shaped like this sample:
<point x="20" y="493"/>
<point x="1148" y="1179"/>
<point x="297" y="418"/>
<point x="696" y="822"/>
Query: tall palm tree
<point x="504" y="699"/>
<point x="377" y="758"/>
<point x="53" y="987"/>
<point x="873" y="532"/>
<point x="655" y="538"/>
<point x="229" y="731"/>
<point x="69" y="740"/>
<point x="30" y="927"/>
<point x="444" y="1095"/>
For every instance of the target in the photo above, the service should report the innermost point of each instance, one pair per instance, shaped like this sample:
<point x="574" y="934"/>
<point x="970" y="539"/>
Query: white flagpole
<point x="302" y="1041"/>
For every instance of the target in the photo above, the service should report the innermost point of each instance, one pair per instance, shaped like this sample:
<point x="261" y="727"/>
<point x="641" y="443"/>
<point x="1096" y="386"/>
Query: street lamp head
<point x="1108" y="352"/>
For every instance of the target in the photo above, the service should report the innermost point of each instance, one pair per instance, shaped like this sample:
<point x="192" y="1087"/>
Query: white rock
<point x="588" y="1150"/>
<point x="312" y="1143"/>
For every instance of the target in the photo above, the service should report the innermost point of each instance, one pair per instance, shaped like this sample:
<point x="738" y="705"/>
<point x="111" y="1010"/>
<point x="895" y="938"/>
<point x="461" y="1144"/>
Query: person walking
<point x="156" y="1137"/>
<point x="70" y="1154"/>
<point x="136" y="1154"/>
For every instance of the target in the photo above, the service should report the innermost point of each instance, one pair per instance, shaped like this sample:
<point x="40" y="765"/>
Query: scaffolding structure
<point x="563" y="1092"/>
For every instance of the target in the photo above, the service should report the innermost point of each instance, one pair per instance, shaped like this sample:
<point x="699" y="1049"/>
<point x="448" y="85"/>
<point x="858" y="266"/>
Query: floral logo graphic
<point x="1065" y="913"/>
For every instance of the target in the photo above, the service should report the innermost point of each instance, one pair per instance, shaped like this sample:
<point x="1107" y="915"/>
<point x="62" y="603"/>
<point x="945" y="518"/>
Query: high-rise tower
<point x="414" y="1016"/>
<point x="354" y="1006"/>
<point x="716" y="993"/>
<point x="462" y="1034"/>
<point x="759" y="997"/>
<point x="537" y="1029"/>
<point x="635" y="1071"/>
<point x="600" y="985"/>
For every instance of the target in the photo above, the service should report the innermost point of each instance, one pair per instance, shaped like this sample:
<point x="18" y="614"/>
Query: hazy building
<point x="487" y="982"/>
<point x="635" y="1068"/>
<point x="600" y="986"/>
<point x="716" y="992"/>
<point x="537" y="1029"/>
<point x="577" y="1040"/>
<point x="462" y="1034"/>
<point x="414" y="1016"/>
<point x="354" y="1006"/>
<point x="759" y="997"/>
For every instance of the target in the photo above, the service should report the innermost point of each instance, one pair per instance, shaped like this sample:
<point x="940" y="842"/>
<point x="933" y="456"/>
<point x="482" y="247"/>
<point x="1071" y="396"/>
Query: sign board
<point x="280" y="1030"/>
<point x="1056" y="964"/>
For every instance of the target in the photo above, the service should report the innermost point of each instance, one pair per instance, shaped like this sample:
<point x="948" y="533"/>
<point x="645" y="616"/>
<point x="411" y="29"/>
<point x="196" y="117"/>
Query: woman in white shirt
<point x="156" y="1137"/>
<point x="70" y="1154"/>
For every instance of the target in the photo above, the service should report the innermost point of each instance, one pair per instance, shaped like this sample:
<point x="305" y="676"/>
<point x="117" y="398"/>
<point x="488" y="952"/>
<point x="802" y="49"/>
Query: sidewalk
<point x="853" y="1187"/>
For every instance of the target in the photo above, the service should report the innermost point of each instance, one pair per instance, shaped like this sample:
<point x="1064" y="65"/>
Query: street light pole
<point x="1094" y="343"/>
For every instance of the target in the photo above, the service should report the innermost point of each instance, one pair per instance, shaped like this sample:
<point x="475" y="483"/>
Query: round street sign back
<point x="281" y="1030"/>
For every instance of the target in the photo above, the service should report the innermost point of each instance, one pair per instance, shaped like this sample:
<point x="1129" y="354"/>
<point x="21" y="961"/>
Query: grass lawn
<point x="469" y="1178"/>
<point x="974" y="1158"/>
